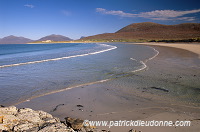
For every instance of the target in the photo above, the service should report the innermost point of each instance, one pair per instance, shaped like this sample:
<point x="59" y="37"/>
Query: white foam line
<point x="81" y="85"/>
<point x="144" y="67"/>
<point x="157" y="52"/>
<point x="144" y="63"/>
<point x="55" y="59"/>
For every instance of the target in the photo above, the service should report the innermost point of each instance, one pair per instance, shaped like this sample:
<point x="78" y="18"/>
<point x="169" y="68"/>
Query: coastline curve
<point x="61" y="58"/>
<point x="144" y="66"/>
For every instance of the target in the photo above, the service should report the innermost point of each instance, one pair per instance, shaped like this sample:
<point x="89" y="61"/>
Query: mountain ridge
<point x="54" y="37"/>
<point x="135" y="32"/>
<point x="14" y="40"/>
<point x="148" y="31"/>
<point x="22" y="40"/>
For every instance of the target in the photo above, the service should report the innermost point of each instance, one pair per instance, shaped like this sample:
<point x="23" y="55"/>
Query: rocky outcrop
<point x="13" y="119"/>
<point x="79" y="125"/>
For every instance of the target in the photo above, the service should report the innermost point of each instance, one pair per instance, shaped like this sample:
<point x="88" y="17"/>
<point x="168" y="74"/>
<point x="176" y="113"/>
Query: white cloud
<point x="186" y="18"/>
<point x="154" y="15"/>
<point x="117" y="13"/>
<point x="29" y="6"/>
<point x="168" y="15"/>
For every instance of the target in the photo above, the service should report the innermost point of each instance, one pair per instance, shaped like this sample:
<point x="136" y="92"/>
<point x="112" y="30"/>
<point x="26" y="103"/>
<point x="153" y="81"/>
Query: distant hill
<point x="54" y="37"/>
<point x="82" y="37"/>
<point x="21" y="40"/>
<point x="14" y="40"/>
<point x="148" y="31"/>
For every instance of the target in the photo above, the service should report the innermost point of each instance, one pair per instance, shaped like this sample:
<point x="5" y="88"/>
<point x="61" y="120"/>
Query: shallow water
<point x="33" y="70"/>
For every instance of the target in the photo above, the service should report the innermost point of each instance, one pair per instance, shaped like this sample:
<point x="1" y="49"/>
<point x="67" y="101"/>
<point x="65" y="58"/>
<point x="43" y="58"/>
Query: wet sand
<point x="146" y="95"/>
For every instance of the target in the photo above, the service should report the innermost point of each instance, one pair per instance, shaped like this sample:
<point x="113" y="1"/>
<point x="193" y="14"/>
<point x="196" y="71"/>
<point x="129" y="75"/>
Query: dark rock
<point x="2" y="106"/>
<point x="79" y="105"/>
<point x="80" y="109"/>
<point x="57" y="107"/>
<point x="75" y="124"/>
<point x="162" y="89"/>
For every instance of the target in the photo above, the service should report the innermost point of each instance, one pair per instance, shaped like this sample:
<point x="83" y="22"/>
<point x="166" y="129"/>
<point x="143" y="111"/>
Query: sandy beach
<point x="150" y="94"/>
<point x="195" y="48"/>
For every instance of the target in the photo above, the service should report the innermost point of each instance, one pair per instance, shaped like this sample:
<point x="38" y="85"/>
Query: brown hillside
<point x="145" y="26"/>
<point x="150" y="31"/>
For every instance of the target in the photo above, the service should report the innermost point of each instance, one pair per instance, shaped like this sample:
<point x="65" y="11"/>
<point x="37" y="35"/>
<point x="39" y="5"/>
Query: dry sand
<point x="111" y="101"/>
<point x="195" y="48"/>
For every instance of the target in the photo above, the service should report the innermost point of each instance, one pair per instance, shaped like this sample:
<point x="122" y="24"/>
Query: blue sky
<point x="75" y="18"/>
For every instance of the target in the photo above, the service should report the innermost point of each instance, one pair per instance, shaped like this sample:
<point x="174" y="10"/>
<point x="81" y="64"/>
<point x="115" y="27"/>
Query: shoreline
<point x="54" y="59"/>
<point x="105" y="101"/>
<point x="193" y="47"/>
<point x="184" y="45"/>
